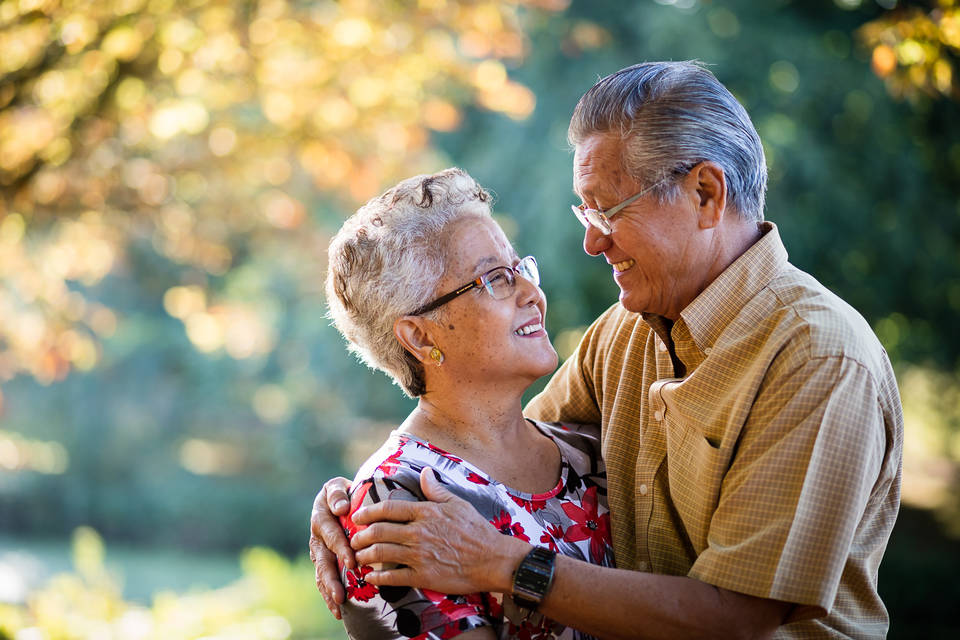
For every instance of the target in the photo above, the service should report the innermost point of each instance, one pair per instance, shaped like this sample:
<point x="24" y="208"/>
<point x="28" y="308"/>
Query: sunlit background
<point x="171" y="396"/>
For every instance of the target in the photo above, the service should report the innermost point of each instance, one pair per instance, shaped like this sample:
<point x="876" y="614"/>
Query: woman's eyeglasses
<point x="499" y="282"/>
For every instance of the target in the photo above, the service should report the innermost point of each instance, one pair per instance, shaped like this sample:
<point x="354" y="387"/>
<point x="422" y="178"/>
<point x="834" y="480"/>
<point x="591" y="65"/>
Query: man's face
<point x="652" y="248"/>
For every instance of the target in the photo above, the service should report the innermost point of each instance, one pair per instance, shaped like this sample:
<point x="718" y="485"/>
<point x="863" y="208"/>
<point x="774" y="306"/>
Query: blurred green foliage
<point x="273" y="600"/>
<point x="209" y="398"/>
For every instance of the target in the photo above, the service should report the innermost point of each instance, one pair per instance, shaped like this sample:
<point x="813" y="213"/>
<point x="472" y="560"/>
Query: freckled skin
<point x="484" y="342"/>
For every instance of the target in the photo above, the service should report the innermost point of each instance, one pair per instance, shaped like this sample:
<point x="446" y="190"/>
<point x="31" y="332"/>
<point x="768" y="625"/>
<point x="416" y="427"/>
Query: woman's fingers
<point x="338" y="498"/>
<point x="325" y="530"/>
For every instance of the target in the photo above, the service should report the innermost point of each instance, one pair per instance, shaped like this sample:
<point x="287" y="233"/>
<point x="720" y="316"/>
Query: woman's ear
<point x="711" y="185"/>
<point x="413" y="333"/>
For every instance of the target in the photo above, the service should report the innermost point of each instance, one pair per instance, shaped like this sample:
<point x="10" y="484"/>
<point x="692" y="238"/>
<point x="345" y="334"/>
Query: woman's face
<point x="486" y="339"/>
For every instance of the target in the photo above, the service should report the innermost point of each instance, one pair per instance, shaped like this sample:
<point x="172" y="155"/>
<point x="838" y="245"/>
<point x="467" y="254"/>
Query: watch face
<point x="533" y="577"/>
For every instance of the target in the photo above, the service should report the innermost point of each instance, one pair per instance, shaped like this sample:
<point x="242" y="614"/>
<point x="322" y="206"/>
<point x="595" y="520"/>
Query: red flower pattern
<point x="588" y="524"/>
<point x="357" y="587"/>
<point x="477" y="479"/>
<point x="439" y="615"/>
<point x="549" y="537"/>
<point x="504" y="522"/>
<point x="392" y="463"/>
<point x="529" y="505"/>
<point x="356" y="501"/>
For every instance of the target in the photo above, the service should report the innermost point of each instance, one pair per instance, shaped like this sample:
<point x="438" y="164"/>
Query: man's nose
<point x="594" y="242"/>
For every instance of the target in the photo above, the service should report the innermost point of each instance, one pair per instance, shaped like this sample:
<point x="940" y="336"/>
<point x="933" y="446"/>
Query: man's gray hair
<point x="386" y="261"/>
<point x="671" y="116"/>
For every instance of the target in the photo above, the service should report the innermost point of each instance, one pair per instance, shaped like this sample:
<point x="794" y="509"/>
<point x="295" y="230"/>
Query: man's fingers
<point x="383" y="532"/>
<point x="392" y="511"/>
<point x="384" y="552"/>
<point x="400" y="577"/>
<point x="432" y="488"/>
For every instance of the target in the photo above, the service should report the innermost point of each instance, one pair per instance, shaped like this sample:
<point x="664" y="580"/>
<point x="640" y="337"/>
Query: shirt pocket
<point x="695" y="472"/>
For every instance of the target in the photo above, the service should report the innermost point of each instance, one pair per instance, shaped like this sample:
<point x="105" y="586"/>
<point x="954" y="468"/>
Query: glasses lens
<point x="499" y="282"/>
<point x="528" y="269"/>
<point x="598" y="220"/>
<point x="592" y="218"/>
<point x="577" y="211"/>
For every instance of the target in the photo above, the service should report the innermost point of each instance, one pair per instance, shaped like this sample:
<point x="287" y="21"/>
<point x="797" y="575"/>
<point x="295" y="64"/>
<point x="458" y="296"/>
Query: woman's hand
<point x="328" y="541"/>
<point x="445" y="544"/>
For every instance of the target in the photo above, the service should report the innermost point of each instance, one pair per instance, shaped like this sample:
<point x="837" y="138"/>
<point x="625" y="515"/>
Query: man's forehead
<point x="592" y="178"/>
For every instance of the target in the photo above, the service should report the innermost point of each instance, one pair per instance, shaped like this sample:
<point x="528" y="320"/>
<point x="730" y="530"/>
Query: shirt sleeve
<point x="809" y="459"/>
<point x="380" y="613"/>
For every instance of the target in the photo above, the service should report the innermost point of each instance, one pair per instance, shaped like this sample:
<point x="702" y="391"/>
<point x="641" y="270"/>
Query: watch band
<point x="533" y="578"/>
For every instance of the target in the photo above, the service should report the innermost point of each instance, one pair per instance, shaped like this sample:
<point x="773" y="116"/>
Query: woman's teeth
<point x="530" y="328"/>
<point x="623" y="266"/>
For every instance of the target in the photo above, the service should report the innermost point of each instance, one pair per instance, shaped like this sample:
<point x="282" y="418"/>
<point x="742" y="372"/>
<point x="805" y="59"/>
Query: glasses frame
<point x="484" y="282"/>
<point x="601" y="219"/>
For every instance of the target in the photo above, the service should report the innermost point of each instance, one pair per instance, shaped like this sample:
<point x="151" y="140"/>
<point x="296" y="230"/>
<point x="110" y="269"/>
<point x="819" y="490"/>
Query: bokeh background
<point x="171" y="396"/>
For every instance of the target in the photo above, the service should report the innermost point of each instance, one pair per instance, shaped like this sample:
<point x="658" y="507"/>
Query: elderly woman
<point x="425" y="286"/>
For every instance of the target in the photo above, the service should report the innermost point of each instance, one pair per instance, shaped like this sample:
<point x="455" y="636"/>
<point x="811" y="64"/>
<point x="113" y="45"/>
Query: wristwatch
<point x="533" y="578"/>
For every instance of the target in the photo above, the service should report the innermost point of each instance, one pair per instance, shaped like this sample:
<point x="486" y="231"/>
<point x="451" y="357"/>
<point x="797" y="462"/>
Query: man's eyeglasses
<point x="601" y="219"/>
<point x="499" y="282"/>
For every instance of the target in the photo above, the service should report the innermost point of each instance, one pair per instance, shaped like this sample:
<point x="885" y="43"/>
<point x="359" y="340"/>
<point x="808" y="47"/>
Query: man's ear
<point x="711" y="185"/>
<point x="413" y="333"/>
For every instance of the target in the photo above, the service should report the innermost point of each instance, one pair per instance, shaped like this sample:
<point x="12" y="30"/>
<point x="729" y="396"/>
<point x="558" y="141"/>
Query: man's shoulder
<point x="615" y="324"/>
<point x="812" y="317"/>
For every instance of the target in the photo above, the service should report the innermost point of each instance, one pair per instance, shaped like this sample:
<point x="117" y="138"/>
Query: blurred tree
<point x="207" y="130"/>
<point x="916" y="47"/>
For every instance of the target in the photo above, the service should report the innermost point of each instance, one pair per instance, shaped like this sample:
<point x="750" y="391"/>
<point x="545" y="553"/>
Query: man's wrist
<point x="510" y="554"/>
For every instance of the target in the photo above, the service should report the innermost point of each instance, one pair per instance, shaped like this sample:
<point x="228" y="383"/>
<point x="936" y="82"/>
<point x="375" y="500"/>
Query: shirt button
<point x="658" y="415"/>
<point x="707" y="350"/>
<point x="662" y="346"/>
<point x="643" y="489"/>
<point x="643" y="565"/>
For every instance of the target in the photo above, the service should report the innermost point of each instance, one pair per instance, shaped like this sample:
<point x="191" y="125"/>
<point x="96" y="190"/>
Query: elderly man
<point x="752" y="427"/>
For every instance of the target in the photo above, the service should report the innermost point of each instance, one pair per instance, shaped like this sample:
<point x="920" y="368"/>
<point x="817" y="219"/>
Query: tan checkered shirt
<point x="754" y="445"/>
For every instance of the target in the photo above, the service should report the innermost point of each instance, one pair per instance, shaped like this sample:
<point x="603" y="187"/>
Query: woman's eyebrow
<point x="485" y="261"/>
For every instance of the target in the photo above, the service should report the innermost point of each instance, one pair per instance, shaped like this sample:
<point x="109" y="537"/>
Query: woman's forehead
<point x="479" y="245"/>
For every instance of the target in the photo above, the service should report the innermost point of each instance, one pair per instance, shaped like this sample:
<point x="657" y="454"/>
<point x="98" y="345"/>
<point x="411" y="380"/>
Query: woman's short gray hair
<point x="671" y="116"/>
<point x="386" y="261"/>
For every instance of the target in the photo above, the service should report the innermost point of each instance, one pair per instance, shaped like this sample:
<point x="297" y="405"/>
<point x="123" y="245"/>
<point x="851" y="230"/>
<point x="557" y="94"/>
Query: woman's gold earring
<point x="437" y="356"/>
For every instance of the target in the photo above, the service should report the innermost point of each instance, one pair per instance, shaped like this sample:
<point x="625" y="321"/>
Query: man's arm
<point x="568" y="397"/>
<point x="446" y="545"/>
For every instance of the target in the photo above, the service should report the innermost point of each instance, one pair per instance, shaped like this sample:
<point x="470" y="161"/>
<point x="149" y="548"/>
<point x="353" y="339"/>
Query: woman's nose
<point x="594" y="241"/>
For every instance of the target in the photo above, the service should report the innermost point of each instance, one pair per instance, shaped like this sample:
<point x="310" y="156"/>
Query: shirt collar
<point x="717" y="305"/>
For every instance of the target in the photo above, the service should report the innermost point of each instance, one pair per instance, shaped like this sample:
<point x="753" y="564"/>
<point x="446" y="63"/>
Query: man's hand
<point x="445" y="544"/>
<point x="328" y="541"/>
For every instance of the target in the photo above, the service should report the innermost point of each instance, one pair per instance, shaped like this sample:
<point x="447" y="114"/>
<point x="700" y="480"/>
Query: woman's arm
<point x="447" y="546"/>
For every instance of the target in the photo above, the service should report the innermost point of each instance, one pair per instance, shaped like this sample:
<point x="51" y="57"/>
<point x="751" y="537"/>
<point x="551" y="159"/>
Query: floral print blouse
<point x="572" y="519"/>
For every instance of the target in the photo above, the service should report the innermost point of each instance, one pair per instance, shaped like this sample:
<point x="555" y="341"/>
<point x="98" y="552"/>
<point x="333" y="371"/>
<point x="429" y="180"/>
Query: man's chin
<point x="630" y="302"/>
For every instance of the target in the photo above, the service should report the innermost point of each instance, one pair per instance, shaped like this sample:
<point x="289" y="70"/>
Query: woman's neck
<point x="493" y="436"/>
<point x="466" y="423"/>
